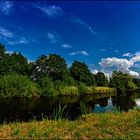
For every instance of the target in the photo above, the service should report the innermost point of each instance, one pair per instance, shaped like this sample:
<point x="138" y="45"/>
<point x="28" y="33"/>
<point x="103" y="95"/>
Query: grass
<point x="85" y="90"/>
<point x="125" y="125"/>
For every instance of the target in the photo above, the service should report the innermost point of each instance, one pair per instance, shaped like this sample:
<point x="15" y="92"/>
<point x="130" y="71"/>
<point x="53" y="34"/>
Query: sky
<point x="103" y="34"/>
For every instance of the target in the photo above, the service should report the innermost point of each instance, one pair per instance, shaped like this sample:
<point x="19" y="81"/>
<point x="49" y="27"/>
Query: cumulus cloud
<point x="6" y="33"/>
<point x="133" y="73"/>
<point x="136" y="57"/>
<point x="121" y="64"/>
<point x="6" y="7"/>
<point x="76" y="19"/>
<point x="50" y="11"/>
<point x="79" y="52"/>
<point x="66" y="46"/>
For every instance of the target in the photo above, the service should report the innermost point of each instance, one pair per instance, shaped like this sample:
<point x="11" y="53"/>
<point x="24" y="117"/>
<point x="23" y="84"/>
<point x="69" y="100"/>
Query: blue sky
<point x="105" y="34"/>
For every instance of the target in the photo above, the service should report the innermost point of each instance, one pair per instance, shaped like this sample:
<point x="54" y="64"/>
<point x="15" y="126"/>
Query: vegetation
<point x="122" y="82"/>
<point x="49" y="75"/>
<point x="125" y="125"/>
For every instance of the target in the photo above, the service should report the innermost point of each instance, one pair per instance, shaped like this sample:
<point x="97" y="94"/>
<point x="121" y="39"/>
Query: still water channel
<point x="26" y="109"/>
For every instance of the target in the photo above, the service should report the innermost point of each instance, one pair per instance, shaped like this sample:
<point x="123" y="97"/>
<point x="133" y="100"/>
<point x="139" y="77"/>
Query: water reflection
<point x="25" y="109"/>
<point x="137" y="102"/>
<point x="108" y="108"/>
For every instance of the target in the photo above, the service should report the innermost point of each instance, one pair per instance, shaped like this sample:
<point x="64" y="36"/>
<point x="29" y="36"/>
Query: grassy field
<point x="109" y="125"/>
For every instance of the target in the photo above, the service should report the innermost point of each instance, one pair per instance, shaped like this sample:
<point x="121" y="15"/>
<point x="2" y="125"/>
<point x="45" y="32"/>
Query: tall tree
<point x="80" y="72"/>
<point x="101" y="79"/>
<point x="53" y="65"/>
<point x="121" y="81"/>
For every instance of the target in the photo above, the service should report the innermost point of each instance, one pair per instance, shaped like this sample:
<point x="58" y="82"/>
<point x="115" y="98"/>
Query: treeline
<point x="49" y="75"/>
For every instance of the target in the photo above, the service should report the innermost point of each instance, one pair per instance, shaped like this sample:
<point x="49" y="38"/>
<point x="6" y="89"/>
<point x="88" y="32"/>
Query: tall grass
<point x="58" y="112"/>
<point x="83" y="107"/>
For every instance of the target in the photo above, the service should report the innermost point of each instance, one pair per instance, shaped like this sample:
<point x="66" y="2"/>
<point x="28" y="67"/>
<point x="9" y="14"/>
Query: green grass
<point x="125" y="125"/>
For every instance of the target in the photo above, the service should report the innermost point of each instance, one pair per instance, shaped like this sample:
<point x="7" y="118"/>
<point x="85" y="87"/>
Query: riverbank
<point x="108" y="126"/>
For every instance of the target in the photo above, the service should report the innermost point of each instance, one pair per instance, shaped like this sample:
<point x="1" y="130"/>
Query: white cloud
<point x="52" y="38"/>
<point x="121" y="64"/>
<point x="6" y="7"/>
<point x="66" y="46"/>
<point x="50" y="11"/>
<point x="77" y="20"/>
<point x="79" y="52"/>
<point x="6" y="33"/>
<point x="133" y="73"/>
<point x="95" y="71"/>
<point x="136" y="57"/>
<point x="21" y="40"/>
<point x="9" y="52"/>
<point x="127" y="54"/>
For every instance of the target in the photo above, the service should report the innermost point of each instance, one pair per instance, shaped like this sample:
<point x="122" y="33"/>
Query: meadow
<point x="118" y="125"/>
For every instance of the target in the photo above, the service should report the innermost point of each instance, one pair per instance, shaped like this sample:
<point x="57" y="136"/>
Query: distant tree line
<point x="50" y="74"/>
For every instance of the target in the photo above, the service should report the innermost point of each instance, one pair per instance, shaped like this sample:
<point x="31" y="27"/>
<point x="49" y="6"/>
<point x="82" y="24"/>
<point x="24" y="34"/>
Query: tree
<point x="137" y="81"/>
<point x="2" y="49"/>
<point x="19" y="64"/>
<point x="121" y="81"/>
<point x="13" y="63"/>
<point x="53" y="65"/>
<point x="4" y="60"/>
<point x="101" y="79"/>
<point x="80" y="72"/>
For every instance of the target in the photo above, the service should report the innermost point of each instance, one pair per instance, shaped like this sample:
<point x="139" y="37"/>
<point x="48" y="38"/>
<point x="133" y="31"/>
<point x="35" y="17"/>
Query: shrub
<point x="17" y="85"/>
<point x="47" y="86"/>
<point x="68" y="90"/>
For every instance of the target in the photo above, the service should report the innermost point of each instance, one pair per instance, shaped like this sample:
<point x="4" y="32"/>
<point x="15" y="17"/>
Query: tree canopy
<point x="101" y="79"/>
<point x="80" y="72"/>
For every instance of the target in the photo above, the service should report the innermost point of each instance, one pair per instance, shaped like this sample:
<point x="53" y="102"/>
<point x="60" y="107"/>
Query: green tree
<point x="19" y="64"/>
<point x="4" y="60"/>
<point x="53" y="65"/>
<point x="2" y="49"/>
<point x="121" y="81"/>
<point x="101" y="79"/>
<point x="137" y="81"/>
<point x="80" y="72"/>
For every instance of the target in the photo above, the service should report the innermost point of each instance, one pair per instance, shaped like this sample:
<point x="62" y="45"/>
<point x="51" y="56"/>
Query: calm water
<point x="25" y="109"/>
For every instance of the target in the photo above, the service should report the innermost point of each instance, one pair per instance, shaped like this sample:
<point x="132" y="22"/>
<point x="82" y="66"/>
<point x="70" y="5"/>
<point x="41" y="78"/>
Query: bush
<point x="17" y="85"/>
<point x="68" y="90"/>
<point x="47" y="86"/>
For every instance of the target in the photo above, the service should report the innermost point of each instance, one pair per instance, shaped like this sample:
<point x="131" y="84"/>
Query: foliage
<point x="68" y="90"/>
<point x="17" y="85"/>
<point x="50" y="76"/>
<point x="80" y="72"/>
<point x="47" y="86"/>
<point x="101" y="79"/>
<point x="121" y="81"/>
<point x="52" y="65"/>
<point x="137" y="82"/>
